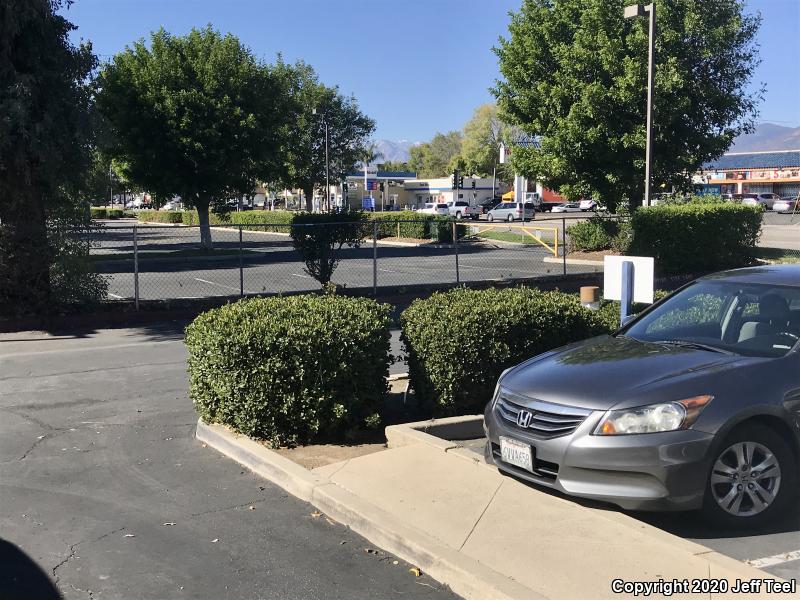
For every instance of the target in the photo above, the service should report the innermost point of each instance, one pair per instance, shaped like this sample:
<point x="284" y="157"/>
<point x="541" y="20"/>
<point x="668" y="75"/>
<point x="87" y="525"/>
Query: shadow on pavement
<point x="21" y="578"/>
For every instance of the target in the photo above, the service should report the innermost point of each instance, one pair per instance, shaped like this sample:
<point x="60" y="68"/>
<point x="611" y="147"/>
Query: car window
<point x="529" y="205"/>
<point x="441" y="206"/>
<point x="462" y="204"/>
<point x="751" y="319"/>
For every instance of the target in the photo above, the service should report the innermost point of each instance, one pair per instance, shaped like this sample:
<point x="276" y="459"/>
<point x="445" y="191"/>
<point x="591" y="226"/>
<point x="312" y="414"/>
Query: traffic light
<point x="473" y="184"/>
<point x="454" y="180"/>
<point x="381" y="186"/>
<point x="461" y="182"/>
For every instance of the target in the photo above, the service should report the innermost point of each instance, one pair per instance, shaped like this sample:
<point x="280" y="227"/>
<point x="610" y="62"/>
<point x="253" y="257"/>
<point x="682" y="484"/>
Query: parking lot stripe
<point x="215" y="283"/>
<point x="775" y="559"/>
<point x="298" y="275"/>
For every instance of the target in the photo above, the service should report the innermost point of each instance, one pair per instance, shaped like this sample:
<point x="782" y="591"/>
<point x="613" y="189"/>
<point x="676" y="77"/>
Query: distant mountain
<point x="768" y="137"/>
<point x="395" y="151"/>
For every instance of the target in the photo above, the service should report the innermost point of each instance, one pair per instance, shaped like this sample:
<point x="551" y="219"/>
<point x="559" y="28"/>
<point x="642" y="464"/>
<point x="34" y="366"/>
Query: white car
<point x="172" y="205"/>
<point x="567" y="207"/>
<point x="587" y="204"/>
<point x="137" y="203"/>
<point x="435" y="208"/>
<point x="461" y="210"/>
<point x="788" y="204"/>
<point x="767" y="200"/>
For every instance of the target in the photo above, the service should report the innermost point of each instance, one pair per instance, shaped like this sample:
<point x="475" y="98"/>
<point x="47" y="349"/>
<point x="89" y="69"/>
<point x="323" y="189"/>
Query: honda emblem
<point x="524" y="418"/>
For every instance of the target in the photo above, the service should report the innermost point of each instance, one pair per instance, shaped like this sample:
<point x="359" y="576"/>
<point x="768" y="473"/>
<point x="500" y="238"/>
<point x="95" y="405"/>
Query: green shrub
<point x="459" y="342"/>
<point x="411" y="224"/>
<point x="593" y="234"/>
<point x="694" y="199"/>
<point x="108" y="213"/>
<point x="98" y="212"/>
<point x="696" y="238"/>
<point x="291" y="370"/>
<point x="160" y="216"/>
<point x="319" y="238"/>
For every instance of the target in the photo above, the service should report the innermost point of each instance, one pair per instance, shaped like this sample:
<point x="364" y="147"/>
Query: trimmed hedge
<point x="593" y="234"/>
<point x="108" y="213"/>
<point x="160" y="216"/>
<point x="292" y="369"/>
<point x="459" y="342"/>
<point x="697" y="237"/>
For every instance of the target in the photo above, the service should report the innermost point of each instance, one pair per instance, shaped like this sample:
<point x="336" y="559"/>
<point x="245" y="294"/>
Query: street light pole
<point x="327" y="168"/>
<point x="637" y="10"/>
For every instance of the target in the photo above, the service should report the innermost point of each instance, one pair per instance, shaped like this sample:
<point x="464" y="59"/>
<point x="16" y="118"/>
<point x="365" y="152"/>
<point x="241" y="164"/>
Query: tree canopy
<point x="45" y="141"/>
<point x="304" y="152"/>
<point x="196" y="116"/>
<point x="483" y="134"/>
<point x="574" y="74"/>
<point x="437" y="157"/>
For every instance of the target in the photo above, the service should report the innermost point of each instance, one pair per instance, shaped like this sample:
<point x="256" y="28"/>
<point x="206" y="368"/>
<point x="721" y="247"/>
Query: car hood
<point x="608" y="371"/>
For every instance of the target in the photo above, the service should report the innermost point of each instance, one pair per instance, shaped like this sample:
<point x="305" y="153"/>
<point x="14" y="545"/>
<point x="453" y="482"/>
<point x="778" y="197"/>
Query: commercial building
<point x="777" y="172"/>
<point x="474" y="190"/>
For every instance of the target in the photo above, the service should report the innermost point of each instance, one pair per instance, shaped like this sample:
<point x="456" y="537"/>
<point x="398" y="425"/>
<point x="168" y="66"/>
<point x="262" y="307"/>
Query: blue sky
<point x="415" y="66"/>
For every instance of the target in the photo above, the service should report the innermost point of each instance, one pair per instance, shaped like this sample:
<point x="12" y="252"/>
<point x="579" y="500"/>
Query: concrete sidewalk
<point x="434" y="504"/>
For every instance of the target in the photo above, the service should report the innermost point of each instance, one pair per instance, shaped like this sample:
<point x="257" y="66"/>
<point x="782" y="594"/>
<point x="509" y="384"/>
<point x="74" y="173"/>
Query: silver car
<point x="693" y="404"/>
<point x="509" y="211"/>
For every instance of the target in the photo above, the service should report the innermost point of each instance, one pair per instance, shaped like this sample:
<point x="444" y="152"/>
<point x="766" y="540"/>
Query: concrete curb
<point x="466" y="576"/>
<point x="574" y="261"/>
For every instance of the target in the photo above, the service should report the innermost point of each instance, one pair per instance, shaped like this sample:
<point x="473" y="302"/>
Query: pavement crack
<point x="38" y="441"/>
<point x="483" y="512"/>
<point x="224" y="508"/>
<point x="73" y="548"/>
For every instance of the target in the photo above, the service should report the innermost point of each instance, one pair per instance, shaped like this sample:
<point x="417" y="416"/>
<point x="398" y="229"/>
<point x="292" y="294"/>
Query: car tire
<point x="490" y="217"/>
<point x="760" y="440"/>
<point x="458" y="215"/>
<point x="510" y="218"/>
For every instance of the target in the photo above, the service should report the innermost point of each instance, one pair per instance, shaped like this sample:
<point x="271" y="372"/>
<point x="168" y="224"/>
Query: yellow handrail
<point x="526" y="229"/>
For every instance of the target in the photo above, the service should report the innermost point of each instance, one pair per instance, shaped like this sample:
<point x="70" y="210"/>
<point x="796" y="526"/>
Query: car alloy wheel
<point x="490" y="218"/>
<point x="458" y="216"/>
<point x="745" y="479"/>
<point x="510" y="218"/>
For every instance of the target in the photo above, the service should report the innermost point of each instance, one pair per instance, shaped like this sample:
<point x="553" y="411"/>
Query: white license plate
<point x="516" y="453"/>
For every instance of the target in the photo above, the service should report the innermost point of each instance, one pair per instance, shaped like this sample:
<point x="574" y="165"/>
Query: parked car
<point x="488" y="205"/>
<point x="587" y="204"/>
<point x="766" y="200"/>
<point x="509" y="211"/>
<point x="567" y="207"/>
<point x="691" y="405"/>
<point x="785" y="204"/>
<point x="435" y="208"/>
<point x="727" y="197"/>
<point x="172" y="205"/>
<point x="135" y="203"/>
<point x="461" y="209"/>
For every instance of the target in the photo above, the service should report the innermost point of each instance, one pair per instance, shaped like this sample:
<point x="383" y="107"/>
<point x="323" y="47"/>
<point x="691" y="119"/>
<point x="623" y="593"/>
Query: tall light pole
<point x="327" y="164"/>
<point x="633" y="11"/>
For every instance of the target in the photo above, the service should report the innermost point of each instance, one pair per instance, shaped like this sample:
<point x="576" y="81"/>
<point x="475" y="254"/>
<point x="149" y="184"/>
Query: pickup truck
<point x="460" y="209"/>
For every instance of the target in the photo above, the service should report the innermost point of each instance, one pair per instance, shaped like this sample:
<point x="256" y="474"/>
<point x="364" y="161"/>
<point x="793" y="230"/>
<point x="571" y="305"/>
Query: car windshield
<point x="748" y="319"/>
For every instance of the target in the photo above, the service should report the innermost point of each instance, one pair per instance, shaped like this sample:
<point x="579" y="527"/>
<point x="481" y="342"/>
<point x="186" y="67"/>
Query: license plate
<point x="516" y="453"/>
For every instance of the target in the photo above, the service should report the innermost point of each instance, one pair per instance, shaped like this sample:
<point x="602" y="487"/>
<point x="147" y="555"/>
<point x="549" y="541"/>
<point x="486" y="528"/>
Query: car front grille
<point x="546" y="420"/>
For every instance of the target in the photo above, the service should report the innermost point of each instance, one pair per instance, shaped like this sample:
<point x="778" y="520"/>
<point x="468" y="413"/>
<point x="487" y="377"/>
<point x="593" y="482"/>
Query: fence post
<point x="241" y="267"/>
<point x="564" y="243"/>
<point x="375" y="258"/>
<point x="136" y="267"/>
<point x="455" y="248"/>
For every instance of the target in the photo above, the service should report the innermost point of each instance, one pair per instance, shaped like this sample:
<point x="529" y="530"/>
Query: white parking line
<point x="215" y="283"/>
<point x="304" y="276"/>
<point x="775" y="559"/>
<point x="115" y="297"/>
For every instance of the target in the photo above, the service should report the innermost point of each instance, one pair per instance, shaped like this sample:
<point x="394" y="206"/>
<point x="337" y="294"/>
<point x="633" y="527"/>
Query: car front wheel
<point x="510" y="218"/>
<point x="490" y="218"/>
<point x="753" y="478"/>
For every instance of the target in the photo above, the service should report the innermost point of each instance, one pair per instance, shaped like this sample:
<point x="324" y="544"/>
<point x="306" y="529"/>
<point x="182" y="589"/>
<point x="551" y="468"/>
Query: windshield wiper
<point x="696" y="345"/>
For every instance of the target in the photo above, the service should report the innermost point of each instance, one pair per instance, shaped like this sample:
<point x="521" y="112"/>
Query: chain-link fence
<point x="164" y="262"/>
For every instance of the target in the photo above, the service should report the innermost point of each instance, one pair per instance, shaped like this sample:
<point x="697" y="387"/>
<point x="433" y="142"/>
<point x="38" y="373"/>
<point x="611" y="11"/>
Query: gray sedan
<point x="693" y="404"/>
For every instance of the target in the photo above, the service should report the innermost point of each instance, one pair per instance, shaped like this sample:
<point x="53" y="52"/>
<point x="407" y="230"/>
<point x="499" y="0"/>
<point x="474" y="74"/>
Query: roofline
<point x="758" y="152"/>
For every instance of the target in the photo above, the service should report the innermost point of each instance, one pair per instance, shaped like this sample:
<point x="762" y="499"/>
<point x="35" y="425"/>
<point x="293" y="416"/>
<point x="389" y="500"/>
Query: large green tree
<point x="574" y="74"/>
<point x="197" y="116"/>
<point x="313" y="105"/>
<point x="483" y="134"/>
<point x="437" y="157"/>
<point x="45" y="140"/>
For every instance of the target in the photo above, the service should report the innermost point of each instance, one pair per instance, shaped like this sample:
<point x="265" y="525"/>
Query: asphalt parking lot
<point x="105" y="489"/>
<point x="105" y="493"/>
<point x="270" y="264"/>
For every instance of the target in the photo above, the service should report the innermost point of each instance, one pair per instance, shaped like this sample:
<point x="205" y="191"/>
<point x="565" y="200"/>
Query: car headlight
<point x="653" y="418"/>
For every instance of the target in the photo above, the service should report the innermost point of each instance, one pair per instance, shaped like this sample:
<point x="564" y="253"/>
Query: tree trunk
<point x="25" y="255"/>
<point x="201" y="204"/>
<point x="309" y="194"/>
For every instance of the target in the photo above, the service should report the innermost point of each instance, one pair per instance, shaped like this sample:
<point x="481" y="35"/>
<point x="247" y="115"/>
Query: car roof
<point x="766" y="274"/>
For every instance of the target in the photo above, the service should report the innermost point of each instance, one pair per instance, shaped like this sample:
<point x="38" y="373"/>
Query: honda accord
<point x="694" y="404"/>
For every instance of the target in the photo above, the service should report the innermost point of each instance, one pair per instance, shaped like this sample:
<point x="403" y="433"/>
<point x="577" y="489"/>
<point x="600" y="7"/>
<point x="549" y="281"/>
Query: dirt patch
<point x="597" y="255"/>
<point x="319" y="455"/>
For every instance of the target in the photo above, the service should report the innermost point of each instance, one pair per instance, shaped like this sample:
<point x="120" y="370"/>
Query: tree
<point x="574" y="74"/>
<point x="45" y="137"/>
<point x="436" y="158"/>
<point x="483" y="134"/>
<point x="394" y="165"/>
<point x="196" y="116"/>
<point x="348" y="131"/>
